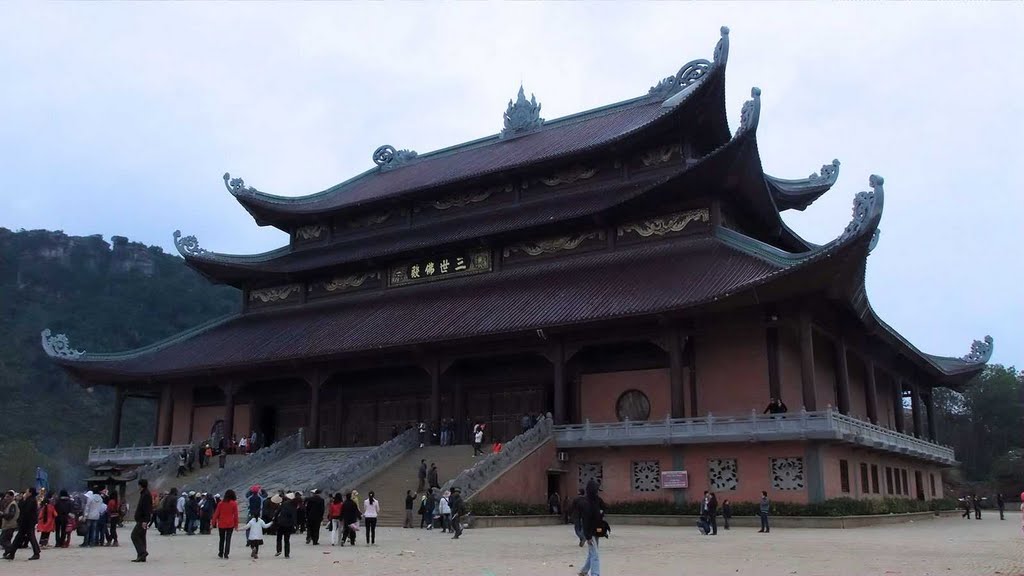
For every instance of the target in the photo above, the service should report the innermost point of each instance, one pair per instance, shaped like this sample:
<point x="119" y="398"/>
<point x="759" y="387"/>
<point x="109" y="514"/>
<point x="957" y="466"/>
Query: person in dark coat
<point x="28" y="512"/>
<point x="206" y="508"/>
<point x="1001" y="504"/>
<point x="458" y="506"/>
<point x="314" y="517"/>
<point x="977" y="506"/>
<point x="349" y="516"/>
<point x="143" y="516"/>
<point x="713" y="513"/>
<point x="726" y="512"/>
<point x="285" y="522"/>
<point x="592" y="516"/>
<point x="255" y="502"/>
<point x="421" y="476"/>
<point x="575" y="515"/>
<point x="64" y="507"/>
<point x="432" y="476"/>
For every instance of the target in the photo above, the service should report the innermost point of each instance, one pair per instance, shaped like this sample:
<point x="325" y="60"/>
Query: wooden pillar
<point x="690" y="375"/>
<point x="929" y="411"/>
<point x="871" y="390"/>
<point x="229" y="410"/>
<point x="810" y="393"/>
<point x="772" y="343"/>
<point x="115" y="437"/>
<point x="677" y="392"/>
<point x="459" y="413"/>
<point x="915" y="410"/>
<point x="434" y="369"/>
<point x="315" y="380"/>
<point x="897" y="403"/>
<point x="166" y="415"/>
<point x="842" y="377"/>
<point x="557" y="357"/>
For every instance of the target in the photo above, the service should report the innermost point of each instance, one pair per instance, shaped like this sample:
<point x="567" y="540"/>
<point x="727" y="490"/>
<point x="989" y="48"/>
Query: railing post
<point x="625" y="422"/>
<point x="586" y="428"/>
<point x="710" y="420"/>
<point x="753" y="421"/>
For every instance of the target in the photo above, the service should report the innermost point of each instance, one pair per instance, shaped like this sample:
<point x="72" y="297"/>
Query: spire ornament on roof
<point x="58" y="346"/>
<point x="522" y="115"/>
<point x="694" y="70"/>
<point x="750" y="113"/>
<point x="980" y="352"/>
<point x="237" y="186"/>
<point x="386" y="157"/>
<point x="188" y="245"/>
<point x="865" y="205"/>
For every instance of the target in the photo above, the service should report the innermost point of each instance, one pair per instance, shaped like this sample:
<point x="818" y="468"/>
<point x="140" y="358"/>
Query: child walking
<point x="254" y="534"/>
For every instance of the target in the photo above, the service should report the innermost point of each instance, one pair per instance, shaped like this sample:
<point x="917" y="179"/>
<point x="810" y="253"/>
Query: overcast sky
<point x="120" y="118"/>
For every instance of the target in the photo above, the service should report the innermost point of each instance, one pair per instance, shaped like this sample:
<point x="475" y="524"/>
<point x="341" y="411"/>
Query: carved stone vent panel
<point x="633" y="405"/>
<point x="722" y="474"/>
<point x="788" y="473"/>
<point x="590" y="471"/>
<point x="646" y="476"/>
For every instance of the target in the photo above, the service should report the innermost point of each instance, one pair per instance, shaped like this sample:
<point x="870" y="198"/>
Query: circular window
<point x="633" y="405"/>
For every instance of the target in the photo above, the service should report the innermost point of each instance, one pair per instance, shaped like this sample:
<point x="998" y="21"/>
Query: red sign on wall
<point x="675" y="479"/>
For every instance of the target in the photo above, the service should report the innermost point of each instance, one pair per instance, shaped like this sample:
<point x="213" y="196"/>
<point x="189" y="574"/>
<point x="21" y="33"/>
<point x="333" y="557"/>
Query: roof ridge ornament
<point x="750" y="114"/>
<point x="865" y="206"/>
<point x="829" y="174"/>
<point x="58" y="346"/>
<point x="387" y="158"/>
<point x="522" y="115"/>
<point x="237" y="187"/>
<point x="694" y="70"/>
<point x="187" y="246"/>
<point x="981" y="351"/>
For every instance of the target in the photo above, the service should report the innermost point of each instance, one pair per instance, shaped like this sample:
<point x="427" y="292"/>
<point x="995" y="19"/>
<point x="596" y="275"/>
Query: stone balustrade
<point x="238" y="473"/>
<point x="827" y="425"/>
<point x="488" y="468"/>
<point x="133" y="455"/>
<point x="362" y="467"/>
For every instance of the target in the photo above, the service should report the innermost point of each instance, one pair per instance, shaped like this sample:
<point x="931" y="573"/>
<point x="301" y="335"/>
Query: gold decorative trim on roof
<point x="666" y="224"/>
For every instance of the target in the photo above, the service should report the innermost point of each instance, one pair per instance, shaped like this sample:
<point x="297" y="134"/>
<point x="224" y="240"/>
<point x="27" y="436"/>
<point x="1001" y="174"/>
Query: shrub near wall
<point x="834" y="507"/>
<point x="498" y="508"/>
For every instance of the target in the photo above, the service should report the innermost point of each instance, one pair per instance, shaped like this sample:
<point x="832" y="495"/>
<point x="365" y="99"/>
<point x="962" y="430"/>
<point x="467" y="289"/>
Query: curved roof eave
<point x="264" y="207"/>
<point x="801" y="193"/>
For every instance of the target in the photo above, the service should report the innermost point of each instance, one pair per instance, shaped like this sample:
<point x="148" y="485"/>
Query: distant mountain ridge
<point x="106" y="297"/>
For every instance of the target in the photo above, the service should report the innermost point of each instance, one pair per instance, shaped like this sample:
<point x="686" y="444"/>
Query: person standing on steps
<point x="432" y="477"/>
<point x="225" y="518"/>
<point x="423" y="434"/>
<point x="762" y="511"/>
<point x="478" y="440"/>
<point x="143" y="516"/>
<point x="410" y="500"/>
<point x="314" y="517"/>
<point x="371" y="509"/>
<point x="421" y="475"/>
<point x="285" y="524"/>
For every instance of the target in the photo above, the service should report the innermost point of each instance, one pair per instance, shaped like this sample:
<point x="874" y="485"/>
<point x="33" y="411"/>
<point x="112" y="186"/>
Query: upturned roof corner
<point x="237" y="187"/>
<point x="800" y="193"/>
<point x="750" y="114"/>
<point x="58" y="346"/>
<point x="981" y="351"/>
<point x="188" y="246"/>
<point x="673" y="88"/>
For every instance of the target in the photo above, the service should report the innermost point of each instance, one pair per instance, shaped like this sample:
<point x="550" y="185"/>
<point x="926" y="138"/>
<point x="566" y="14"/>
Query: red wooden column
<point x="315" y="379"/>
<point x="810" y="394"/>
<point x="166" y="422"/>
<point x="842" y="377"/>
<point x="229" y="409"/>
<point x="434" y="369"/>
<point x="677" y="391"/>
<point x="871" y="390"/>
<point x="115" y="437"/>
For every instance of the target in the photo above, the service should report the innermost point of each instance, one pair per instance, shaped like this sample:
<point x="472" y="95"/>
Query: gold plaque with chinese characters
<point x="448" y="265"/>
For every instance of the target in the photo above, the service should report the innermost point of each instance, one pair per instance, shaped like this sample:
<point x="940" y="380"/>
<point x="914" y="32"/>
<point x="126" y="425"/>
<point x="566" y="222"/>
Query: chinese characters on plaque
<point x="456" y="264"/>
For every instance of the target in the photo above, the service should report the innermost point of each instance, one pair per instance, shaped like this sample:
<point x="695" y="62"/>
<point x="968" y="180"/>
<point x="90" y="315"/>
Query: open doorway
<point x="268" y="426"/>
<point x="554" y="487"/>
<point x="919" y="482"/>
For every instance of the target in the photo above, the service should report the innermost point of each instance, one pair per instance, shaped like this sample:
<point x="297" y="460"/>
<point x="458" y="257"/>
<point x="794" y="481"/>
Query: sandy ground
<point x="942" y="546"/>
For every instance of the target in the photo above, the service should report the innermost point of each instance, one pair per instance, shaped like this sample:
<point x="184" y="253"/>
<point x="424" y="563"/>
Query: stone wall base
<point x="737" y="521"/>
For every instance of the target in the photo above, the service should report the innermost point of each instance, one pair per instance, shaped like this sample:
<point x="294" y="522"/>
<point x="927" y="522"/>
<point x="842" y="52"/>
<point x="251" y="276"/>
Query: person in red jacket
<point x="225" y="519"/>
<point x="47" y="523"/>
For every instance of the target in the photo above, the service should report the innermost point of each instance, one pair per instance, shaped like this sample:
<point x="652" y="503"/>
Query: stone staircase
<point x="391" y="483"/>
<point x="301" y="470"/>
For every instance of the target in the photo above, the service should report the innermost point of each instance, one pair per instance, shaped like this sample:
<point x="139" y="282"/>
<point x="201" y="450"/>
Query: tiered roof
<point x="721" y="266"/>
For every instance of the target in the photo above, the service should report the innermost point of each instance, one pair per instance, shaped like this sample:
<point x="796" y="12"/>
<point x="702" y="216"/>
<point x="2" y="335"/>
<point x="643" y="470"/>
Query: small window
<point x="874" y="478"/>
<point x="844" y="476"/>
<point x="906" y="485"/>
<point x="931" y="478"/>
<point x="865" y="486"/>
<point x="888" y="480"/>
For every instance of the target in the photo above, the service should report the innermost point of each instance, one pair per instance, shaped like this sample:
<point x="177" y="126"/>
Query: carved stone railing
<point x="489" y="468"/>
<point x="241" y="470"/>
<point x="132" y="455"/>
<point x="160" y="467"/>
<point x="820" y="425"/>
<point x="362" y="467"/>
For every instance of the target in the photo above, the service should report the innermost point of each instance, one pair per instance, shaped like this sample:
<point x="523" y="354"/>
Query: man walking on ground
<point x="458" y="507"/>
<point x="977" y="506"/>
<point x="28" y="512"/>
<point x="314" y="516"/>
<point x="763" y="512"/>
<point x="1001" y="504"/>
<point x="421" y="475"/>
<point x="713" y="513"/>
<point x="575" y="514"/>
<point x="8" y="519"/>
<point x="143" y="516"/>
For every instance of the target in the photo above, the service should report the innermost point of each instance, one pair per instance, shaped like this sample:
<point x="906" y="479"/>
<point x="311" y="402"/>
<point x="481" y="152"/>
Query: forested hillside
<point x="105" y="297"/>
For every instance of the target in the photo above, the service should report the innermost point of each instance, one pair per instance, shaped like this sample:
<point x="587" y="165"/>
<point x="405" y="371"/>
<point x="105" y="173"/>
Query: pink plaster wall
<point x="824" y="372"/>
<point x="207" y="416"/>
<point x="885" y="402"/>
<point x="182" y="413"/>
<point x="526" y="482"/>
<point x="789" y="369"/>
<point x="753" y="470"/>
<point x="602" y="391"/>
<point x="854" y="456"/>
<point x="732" y="365"/>
<point x="858" y="387"/>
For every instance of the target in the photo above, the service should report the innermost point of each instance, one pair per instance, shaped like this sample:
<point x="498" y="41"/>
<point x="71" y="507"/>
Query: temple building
<point x="626" y="269"/>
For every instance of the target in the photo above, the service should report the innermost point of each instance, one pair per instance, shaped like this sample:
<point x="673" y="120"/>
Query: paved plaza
<point x="944" y="546"/>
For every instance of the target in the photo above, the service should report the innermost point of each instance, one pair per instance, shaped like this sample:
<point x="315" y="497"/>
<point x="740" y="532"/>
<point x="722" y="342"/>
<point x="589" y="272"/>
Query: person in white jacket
<point x="446" y="511"/>
<point x="254" y="534"/>
<point x="180" y="507"/>
<point x="371" y="509"/>
<point x="92" y="510"/>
